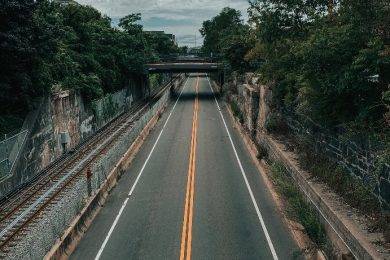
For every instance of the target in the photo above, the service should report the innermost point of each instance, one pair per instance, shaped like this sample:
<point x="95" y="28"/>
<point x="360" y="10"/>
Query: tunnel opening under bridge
<point x="214" y="70"/>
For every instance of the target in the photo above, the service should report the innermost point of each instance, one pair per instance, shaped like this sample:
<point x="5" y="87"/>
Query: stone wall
<point x="253" y="100"/>
<point x="243" y="91"/>
<point x="106" y="170"/>
<point x="246" y="92"/>
<point x="64" y="122"/>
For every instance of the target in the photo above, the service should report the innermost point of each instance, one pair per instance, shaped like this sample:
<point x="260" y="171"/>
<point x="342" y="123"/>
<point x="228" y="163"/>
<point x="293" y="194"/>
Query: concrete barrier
<point x="339" y="232"/>
<point x="356" y="243"/>
<point x="69" y="240"/>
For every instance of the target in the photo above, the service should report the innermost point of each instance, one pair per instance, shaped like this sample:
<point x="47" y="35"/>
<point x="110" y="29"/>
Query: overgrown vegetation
<point x="45" y="44"/>
<point x="156" y="80"/>
<point x="350" y="188"/>
<point x="226" y="39"/>
<point x="356" y="193"/>
<point x="298" y="208"/>
<point x="328" y="60"/>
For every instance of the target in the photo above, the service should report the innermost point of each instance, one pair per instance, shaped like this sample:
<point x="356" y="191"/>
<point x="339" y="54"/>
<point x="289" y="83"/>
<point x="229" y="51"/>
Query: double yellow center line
<point x="186" y="235"/>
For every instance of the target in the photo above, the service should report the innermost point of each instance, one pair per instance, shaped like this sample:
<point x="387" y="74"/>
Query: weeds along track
<point x="24" y="207"/>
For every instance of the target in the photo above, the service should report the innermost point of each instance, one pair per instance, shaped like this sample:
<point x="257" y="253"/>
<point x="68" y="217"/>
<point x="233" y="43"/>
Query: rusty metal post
<point x="89" y="176"/>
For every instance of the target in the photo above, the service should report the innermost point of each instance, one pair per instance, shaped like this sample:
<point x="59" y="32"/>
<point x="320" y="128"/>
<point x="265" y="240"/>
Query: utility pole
<point x="195" y="40"/>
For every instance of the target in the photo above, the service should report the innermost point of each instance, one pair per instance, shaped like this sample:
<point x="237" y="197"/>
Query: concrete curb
<point x="355" y="243"/>
<point x="302" y="240"/>
<point x="360" y="248"/>
<point x="69" y="240"/>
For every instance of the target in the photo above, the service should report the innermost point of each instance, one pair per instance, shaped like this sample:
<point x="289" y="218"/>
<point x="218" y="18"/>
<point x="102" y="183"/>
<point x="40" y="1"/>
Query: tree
<point x="228" y="39"/>
<point x="17" y="54"/>
<point x="130" y="24"/>
<point x="322" y="58"/>
<point x="45" y="44"/>
<point x="216" y="29"/>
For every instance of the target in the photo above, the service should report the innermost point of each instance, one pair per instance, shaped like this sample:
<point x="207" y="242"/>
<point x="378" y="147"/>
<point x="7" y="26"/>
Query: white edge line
<point x="259" y="215"/>
<point x="320" y="211"/>
<point x="136" y="181"/>
<point x="324" y="217"/>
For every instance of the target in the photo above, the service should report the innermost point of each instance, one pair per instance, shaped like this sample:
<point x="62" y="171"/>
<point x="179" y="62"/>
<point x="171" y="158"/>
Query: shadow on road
<point x="191" y="96"/>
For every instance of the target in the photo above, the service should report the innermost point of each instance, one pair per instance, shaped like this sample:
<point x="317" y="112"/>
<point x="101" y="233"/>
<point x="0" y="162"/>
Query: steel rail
<point x="30" y="211"/>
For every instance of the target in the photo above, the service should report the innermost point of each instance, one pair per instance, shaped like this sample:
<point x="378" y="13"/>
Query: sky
<point x="181" y="17"/>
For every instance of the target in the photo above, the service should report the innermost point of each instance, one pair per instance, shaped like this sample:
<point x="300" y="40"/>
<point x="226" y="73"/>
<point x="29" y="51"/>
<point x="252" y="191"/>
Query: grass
<point x="354" y="192"/>
<point x="348" y="187"/>
<point x="297" y="206"/>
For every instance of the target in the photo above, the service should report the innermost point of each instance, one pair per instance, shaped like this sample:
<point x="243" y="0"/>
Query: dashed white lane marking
<point x="99" y="254"/>
<point x="259" y="215"/>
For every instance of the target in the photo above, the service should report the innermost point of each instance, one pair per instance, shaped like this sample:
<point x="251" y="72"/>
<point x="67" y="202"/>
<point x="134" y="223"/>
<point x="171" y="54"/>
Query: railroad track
<point x="22" y="209"/>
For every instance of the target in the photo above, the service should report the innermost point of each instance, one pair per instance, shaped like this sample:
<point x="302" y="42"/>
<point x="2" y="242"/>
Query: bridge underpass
<point x="194" y="65"/>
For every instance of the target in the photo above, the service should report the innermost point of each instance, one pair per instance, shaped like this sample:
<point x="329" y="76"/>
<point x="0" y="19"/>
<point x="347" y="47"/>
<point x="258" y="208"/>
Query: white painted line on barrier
<point x="259" y="215"/>
<point x="99" y="254"/>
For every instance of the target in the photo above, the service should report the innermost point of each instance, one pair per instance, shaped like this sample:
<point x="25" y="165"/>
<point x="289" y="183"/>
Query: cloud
<point x="180" y="17"/>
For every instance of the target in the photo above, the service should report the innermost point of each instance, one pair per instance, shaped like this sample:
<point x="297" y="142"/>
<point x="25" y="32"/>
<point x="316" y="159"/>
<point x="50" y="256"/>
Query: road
<point x="192" y="192"/>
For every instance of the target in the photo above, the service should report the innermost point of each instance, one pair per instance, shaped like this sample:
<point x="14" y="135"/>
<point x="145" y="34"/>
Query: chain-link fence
<point x="358" y="162"/>
<point x="9" y="151"/>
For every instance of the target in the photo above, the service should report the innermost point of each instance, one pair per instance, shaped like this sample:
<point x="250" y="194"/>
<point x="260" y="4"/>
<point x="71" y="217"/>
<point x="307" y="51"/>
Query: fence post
<point x="89" y="176"/>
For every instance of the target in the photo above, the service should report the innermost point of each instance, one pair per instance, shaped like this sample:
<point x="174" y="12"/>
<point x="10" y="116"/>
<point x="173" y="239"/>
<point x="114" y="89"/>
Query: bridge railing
<point x="185" y="58"/>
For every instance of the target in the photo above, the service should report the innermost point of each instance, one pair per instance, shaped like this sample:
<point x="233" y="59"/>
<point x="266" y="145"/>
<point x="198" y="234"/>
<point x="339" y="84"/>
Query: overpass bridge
<point x="186" y="64"/>
<point x="184" y="67"/>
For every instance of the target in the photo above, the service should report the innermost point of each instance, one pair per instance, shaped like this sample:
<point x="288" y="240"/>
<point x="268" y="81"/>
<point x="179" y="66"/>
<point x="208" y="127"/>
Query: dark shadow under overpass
<point x="184" y="67"/>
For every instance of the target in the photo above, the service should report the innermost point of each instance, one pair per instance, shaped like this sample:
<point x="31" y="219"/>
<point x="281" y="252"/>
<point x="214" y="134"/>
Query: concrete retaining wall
<point x="75" y="206"/>
<point x="65" y="120"/>
<point x="360" y="248"/>
<point x="253" y="99"/>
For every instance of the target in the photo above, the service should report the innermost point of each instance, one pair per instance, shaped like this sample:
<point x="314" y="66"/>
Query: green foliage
<point x="354" y="191"/>
<point x="45" y="44"/>
<point x="157" y="80"/>
<point x="17" y="54"/>
<point x="161" y="45"/>
<point x="237" y="111"/>
<point x="298" y="207"/>
<point x="227" y="38"/>
<point x="322" y="58"/>
<point x="183" y="50"/>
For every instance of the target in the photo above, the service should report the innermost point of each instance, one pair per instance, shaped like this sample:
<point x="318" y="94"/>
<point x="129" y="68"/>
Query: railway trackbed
<point x="18" y="212"/>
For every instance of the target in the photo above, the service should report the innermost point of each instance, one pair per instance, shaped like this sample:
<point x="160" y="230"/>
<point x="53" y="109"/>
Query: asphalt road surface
<point x="192" y="192"/>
